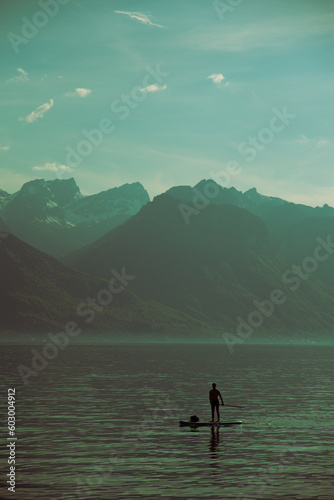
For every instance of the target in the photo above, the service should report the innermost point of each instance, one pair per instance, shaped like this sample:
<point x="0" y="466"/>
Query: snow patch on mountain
<point x="60" y="203"/>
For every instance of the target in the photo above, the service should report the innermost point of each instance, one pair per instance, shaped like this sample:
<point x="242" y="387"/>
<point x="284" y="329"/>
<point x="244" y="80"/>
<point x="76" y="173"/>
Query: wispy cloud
<point x="318" y="143"/>
<point x="4" y="148"/>
<point x="139" y="16"/>
<point x="216" y="78"/>
<point x="268" y="35"/>
<point x="37" y="113"/>
<point x="22" y="77"/>
<point x="322" y="143"/>
<point x="52" y="167"/>
<point x="303" y="140"/>
<point x="79" y="93"/>
<point x="154" y="88"/>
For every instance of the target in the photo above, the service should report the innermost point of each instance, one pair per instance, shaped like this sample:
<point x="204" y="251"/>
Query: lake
<point x="101" y="422"/>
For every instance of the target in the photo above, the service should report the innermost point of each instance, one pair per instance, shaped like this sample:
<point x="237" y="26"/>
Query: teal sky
<point x="223" y="71"/>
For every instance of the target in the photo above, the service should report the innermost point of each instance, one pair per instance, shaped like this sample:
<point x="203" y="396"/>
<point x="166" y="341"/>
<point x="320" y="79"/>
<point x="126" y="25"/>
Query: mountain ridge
<point x="206" y="274"/>
<point x="56" y="218"/>
<point x="212" y="269"/>
<point x="42" y="294"/>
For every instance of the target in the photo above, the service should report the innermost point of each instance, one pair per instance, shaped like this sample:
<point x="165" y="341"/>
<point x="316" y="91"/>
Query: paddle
<point x="232" y="406"/>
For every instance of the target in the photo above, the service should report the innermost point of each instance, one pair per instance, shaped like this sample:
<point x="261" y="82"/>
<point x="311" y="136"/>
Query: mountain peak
<point x="251" y="193"/>
<point x="135" y="189"/>
<point x="31" y="187"/>
<point x="204" y="182"/>
<point x="62" y="191"/>
<point x="54" y="216"/>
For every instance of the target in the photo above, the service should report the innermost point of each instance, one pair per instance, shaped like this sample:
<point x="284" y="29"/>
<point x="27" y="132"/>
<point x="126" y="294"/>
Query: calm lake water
<point x="101" y="422"/>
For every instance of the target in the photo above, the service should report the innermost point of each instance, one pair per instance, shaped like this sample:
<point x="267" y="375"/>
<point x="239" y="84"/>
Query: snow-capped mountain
<point x="55" y="217"/>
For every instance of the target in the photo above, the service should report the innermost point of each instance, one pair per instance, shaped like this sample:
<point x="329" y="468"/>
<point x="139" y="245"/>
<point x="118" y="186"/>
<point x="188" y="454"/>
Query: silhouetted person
<point x="214" y="394"/>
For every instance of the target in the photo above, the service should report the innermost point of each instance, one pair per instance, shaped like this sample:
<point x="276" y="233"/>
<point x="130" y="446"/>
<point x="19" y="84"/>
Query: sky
<point x="169" y="93"/>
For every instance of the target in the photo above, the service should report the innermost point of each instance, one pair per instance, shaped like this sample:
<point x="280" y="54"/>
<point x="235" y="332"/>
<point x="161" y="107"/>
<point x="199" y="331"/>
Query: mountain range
<point x="293" y="228"/>
<point x="39" y="294"/>
<point x="206" y="260"/>
<point x="212" y="269"/>
<point x="56" y="218"/>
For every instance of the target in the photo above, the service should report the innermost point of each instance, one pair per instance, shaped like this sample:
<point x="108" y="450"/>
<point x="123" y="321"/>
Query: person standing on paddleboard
<point x="214" y="394"/>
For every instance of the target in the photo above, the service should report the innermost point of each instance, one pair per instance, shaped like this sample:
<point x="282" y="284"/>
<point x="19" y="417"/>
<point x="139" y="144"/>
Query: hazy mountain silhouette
<point x="40" y="295"/>
<point x="274" y="211"/>
<point x="204" y="258"/>
<point x="299" y="241"/>
<point x="212" y="268"/>
<point x="293" y="228"/>
<point x="56" y="218"/>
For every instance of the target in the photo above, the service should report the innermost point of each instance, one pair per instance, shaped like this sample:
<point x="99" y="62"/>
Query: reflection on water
<point x="101" y="422"/>
<point x="214" y="441"/>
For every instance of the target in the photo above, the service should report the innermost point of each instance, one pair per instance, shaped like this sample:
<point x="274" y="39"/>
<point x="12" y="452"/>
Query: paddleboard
<point x="209" y="424"/>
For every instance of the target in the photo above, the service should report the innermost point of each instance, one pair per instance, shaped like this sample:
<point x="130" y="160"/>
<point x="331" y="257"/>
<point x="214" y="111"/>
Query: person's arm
<point x="221" y="398"/>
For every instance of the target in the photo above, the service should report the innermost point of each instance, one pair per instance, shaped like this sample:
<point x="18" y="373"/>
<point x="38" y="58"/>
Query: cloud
<point x="267" y="35"/>
<point x="216" y="78"/>
<point x="139" y="16"/>
<point x="319" y="143"/>
<point x="52" y="167"/>
<point x="322" y="143"/>
<point x="79" y="93"/>
<point x="21" y="77"/>
<point x="153" y="88"/>
<point x="37" y="113"/>
<point x="4" y="148"/>
<point x="303" y="140"/>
